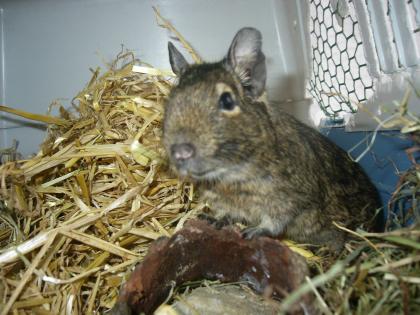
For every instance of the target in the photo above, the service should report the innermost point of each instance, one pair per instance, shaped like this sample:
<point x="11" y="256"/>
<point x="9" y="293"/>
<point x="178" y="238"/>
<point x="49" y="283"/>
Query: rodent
<point x="252" y="161"/>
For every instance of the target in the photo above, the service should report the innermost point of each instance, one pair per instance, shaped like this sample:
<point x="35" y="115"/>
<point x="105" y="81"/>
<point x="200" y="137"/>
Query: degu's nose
<point x="182" y="151"/>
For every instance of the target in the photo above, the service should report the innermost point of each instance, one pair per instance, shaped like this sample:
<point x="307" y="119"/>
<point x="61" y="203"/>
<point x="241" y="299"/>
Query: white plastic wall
<point x="392" y="48"/>
<point x="48" y="46"/>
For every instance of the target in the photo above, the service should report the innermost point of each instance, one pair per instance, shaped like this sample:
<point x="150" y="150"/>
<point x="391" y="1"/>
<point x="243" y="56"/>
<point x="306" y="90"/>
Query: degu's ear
<point x="248" y="61"/>
<point x="177" y="60"/>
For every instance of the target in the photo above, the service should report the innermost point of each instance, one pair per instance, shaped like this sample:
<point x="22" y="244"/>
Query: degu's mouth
<point x="199" y="175"/>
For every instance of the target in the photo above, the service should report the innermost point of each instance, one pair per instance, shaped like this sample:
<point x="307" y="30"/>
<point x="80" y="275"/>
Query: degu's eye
<point x="226" y="102"/>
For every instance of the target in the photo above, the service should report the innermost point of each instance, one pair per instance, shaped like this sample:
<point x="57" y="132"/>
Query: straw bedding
<point x="93" y="198"/>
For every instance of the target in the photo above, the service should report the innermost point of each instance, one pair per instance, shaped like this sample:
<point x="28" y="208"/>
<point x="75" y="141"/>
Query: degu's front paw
<point x="218" y="223"/>
<point x="254" y="232"/>
<point x="207" y="217"/>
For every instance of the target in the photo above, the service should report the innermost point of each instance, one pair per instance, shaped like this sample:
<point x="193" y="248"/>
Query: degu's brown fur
<point x="252" y="161"/>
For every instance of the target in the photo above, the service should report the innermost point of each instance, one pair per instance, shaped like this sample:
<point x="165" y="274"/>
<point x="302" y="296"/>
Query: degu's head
<point x="212" y="124"/>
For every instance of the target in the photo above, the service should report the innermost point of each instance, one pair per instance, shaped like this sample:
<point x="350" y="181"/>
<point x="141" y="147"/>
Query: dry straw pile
<point x="77" y="217"/>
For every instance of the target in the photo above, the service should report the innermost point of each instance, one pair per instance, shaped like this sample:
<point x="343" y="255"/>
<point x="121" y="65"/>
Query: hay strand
<point x="166" y="24"/>
<point x="36" y="117"/>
